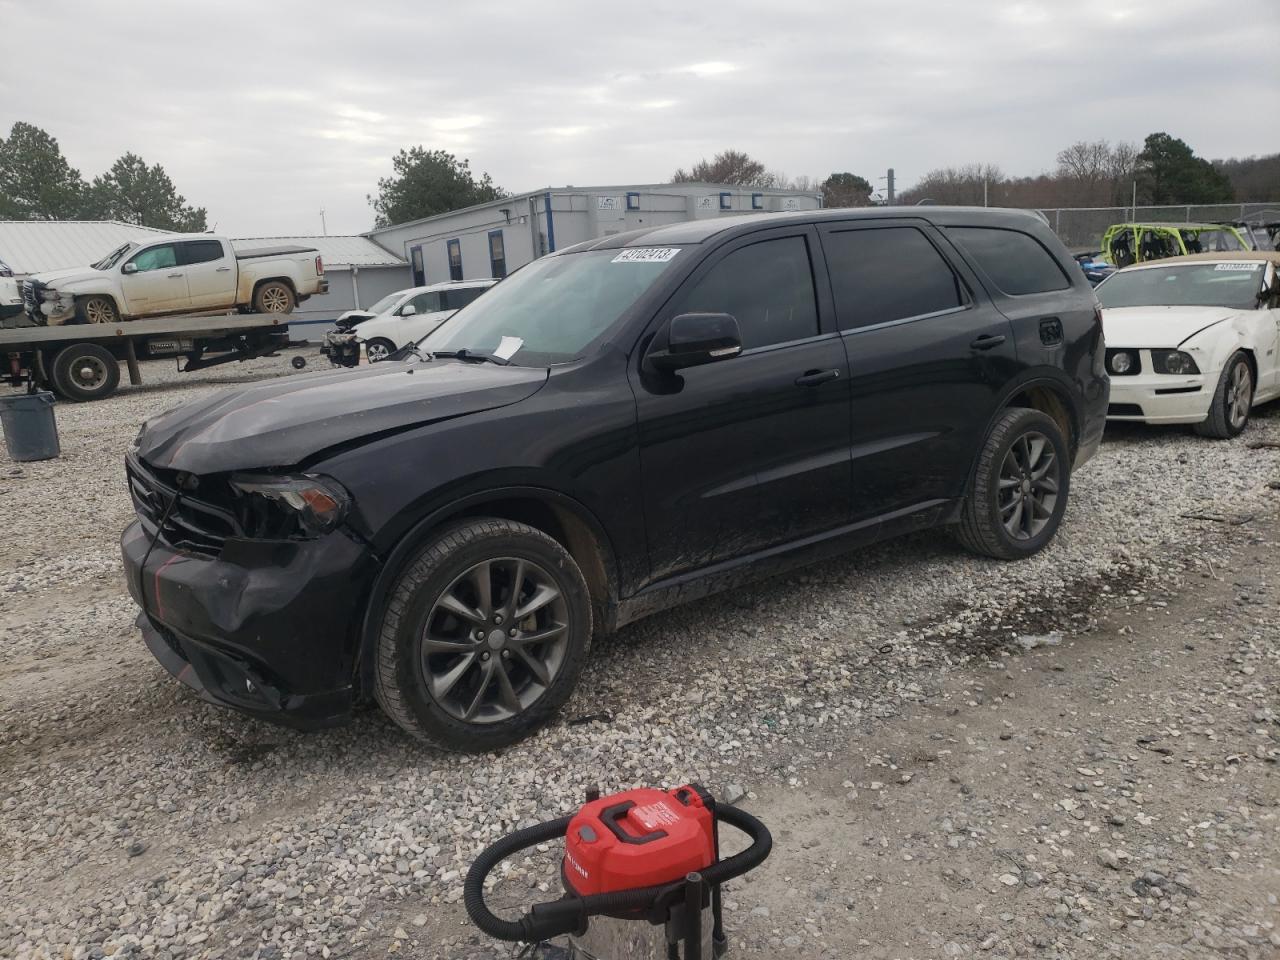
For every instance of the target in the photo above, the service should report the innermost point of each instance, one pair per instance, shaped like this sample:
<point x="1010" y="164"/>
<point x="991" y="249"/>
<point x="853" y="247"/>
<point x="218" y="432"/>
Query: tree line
<point x="37" y="183"/>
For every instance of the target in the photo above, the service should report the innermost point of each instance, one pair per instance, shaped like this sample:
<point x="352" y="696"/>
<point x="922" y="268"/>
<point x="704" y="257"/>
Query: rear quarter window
<point x="1016" y="262"/>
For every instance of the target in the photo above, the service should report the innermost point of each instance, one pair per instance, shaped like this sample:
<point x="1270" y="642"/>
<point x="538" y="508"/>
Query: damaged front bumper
<point x="269" y="629"/>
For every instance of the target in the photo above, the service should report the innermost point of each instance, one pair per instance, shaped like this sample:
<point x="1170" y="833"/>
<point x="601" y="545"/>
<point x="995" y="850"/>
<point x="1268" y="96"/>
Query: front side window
<point x="156" y="258"/>
<point x="1235" y="285"/>
<point x="457" y="299"/>
<point x="555" y="309"/>
<point x="1016" y="262"/>
<point x="885" y="274"/>
<point x="201" y="251"/>
<point x="767" y="287"/>
<point x="455" y="259"/>
<point x="426" y="303"/>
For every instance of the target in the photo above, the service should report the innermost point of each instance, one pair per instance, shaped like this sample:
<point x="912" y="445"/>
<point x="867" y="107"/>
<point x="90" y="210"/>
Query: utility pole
<point x="984" y="191"/>
<point x="889" y="188"/>
<point x="324" y="227"/>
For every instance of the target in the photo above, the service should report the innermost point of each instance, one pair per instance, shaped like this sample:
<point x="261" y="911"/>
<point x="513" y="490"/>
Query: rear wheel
<point x="379" y="348"/>
<point x="484" y="636"/>
<point x="85" y="371"/>
<point x="274" y="296"/>
<point x="1232" y="401"/>
<point x="1019" y="489"/>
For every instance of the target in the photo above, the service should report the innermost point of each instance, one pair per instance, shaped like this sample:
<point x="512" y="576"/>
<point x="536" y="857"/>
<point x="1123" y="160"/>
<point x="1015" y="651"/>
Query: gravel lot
<point x="138" y="820"/>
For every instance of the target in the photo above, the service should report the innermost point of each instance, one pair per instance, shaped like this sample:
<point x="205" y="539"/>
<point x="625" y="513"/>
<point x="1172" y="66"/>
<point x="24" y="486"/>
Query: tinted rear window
<point x="886" y="274"/>
<point x="1016" y="262"/>
<point x="201" y="251"/>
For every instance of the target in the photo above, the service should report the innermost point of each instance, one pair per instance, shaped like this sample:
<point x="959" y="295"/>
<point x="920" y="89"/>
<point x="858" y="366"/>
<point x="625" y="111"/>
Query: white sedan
<point x="1193" y="339"/>
<point x="407" y="316"/>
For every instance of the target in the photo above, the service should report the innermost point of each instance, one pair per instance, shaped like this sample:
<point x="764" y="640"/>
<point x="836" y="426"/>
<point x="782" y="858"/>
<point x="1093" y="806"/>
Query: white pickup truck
<point x="176" y="273"/>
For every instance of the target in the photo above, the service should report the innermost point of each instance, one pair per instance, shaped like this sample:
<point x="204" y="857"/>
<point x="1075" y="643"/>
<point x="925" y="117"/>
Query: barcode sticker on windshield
<point x="507" y="347"/>
<point x="646" y="255"/>
<point x="1238" y="266"/>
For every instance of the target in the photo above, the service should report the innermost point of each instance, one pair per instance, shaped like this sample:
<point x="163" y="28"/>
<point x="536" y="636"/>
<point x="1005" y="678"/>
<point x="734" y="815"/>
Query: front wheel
<point x="379" y="348"/>
<point x="97" y="310"/>
<point x="484" y="637"/>
<point x="1232" y="401"/>
<point x="1018" y="493"/>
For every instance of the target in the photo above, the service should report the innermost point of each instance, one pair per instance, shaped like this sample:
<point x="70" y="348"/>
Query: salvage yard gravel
<point x="136" y="820"/>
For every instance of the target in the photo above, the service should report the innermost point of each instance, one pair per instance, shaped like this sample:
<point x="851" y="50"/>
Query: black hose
<point x="546" y="920"/>
<point x="473" y="888"/>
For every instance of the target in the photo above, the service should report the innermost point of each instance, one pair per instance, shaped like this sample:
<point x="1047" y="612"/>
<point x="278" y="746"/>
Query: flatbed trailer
<point x="82" y="361"/>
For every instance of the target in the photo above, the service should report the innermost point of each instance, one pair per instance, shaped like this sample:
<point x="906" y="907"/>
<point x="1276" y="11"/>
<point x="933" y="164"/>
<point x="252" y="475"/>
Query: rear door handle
<point x="223" y="269"/>
<point x="987" y="341"/>
<point x="812" y="378"/>
<point x="175" y="276"/>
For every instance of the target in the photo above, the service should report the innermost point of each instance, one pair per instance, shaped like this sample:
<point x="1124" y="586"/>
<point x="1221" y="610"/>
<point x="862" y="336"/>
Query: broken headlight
<point x="297" y="507"/>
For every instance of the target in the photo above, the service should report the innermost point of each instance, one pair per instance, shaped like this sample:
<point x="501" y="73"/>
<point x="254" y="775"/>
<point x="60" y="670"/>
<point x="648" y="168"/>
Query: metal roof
<point x="339" y="253"/>
<point x="34" y="246"/>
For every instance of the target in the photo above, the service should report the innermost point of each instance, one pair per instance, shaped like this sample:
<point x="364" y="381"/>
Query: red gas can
<point x="639" y="838"/>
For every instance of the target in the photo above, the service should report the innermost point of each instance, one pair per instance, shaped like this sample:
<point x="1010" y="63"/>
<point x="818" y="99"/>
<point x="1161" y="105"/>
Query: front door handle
<point x="223" y="269"/>
<point x="812" y="378"/>
<point x="987" y="341"/>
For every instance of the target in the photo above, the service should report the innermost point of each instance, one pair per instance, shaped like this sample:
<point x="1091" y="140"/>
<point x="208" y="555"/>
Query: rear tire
<point x="85" y="371"/>
<point x="1019" y="489"/>
<point x="1232" y="401"/>
<point x="274" y="296"/>
<point x="457" y="663"/>
<point x="378" y="349"/>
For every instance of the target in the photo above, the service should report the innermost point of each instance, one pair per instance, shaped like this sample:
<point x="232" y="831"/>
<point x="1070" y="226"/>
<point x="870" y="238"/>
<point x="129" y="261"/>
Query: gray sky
<point x="265" y="112"/>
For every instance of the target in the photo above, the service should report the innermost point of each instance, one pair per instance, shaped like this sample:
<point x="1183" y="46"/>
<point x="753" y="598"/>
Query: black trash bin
<point x="30" y="430"/>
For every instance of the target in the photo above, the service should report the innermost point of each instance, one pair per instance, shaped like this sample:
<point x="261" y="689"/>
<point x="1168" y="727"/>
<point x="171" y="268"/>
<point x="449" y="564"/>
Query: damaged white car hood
<point x="1159" y="327"/>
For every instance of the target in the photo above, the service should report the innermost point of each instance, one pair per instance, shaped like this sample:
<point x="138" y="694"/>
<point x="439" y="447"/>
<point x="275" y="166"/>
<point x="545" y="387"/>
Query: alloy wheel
<point x="1028" y="488"/>
<point x="495" y="640"/>
<point x="96" y="311"/>
<point x="1239" y="396"/>
<point x="376" y="352"/>
<point x="275" y="300"/>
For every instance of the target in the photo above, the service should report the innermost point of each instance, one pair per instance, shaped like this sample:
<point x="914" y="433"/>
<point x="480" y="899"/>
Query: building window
<point x="726" y="201"/>
<point x="633" y="201"/>
<point x="757" y="201"/>
<point x="419" y="274"/>
<point x="497" y="255"/>
<point x="455" y="259"/>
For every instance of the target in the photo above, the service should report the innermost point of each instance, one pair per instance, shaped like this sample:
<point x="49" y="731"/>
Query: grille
<point x="194" y="524"/>
<point x="29" y="302"/>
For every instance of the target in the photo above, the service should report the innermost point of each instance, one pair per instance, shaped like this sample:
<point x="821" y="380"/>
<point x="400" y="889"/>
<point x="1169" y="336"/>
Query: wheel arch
<point x="80" y="298"/>
<point x="258" y="284"/>
<point x="558" y="515"/>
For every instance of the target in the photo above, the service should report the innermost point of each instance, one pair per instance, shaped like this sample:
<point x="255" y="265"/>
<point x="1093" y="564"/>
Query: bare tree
<point x="970" y="185"/>
<point x="728" y="166"/>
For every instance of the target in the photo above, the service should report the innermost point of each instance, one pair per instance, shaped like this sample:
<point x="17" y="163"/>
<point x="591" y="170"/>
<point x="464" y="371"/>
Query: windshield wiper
<point x="470" y="356"/>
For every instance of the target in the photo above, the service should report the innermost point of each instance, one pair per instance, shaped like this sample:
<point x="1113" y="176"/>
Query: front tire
<point x="1232" y="401"/>
<point x="1019" y="489"/>
<point x="274" y="296"/>
<point x="85" y="371"/>
<point x="97" y="310"/>
<point x="378" y="349"/>
<point x="484" y="637"/>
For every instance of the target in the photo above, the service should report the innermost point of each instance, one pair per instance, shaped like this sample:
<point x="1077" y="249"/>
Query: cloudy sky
<point x="266" y="112"/>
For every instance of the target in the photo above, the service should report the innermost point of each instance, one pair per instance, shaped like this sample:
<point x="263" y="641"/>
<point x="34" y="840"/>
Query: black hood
<point x="280" y="423"/>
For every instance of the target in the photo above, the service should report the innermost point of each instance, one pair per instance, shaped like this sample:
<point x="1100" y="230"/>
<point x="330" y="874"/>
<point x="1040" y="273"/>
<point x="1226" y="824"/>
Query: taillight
<point x="319" y="266"/>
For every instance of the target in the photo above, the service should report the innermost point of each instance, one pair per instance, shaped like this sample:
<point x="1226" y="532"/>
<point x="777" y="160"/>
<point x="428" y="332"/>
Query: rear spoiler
<point x="273" y="252"/>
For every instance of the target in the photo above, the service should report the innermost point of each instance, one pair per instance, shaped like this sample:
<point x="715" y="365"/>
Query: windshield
<point x="114" y="257"/>
<point x="554" y="309"/>
<point x="1235" y="285"/>
<point x="386" y="303"/>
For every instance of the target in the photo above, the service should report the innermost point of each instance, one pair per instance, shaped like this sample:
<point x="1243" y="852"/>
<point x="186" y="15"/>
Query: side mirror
<point x="408" y="310"/>
<point x="692" y="339"/>
<point x="129" y="268"/>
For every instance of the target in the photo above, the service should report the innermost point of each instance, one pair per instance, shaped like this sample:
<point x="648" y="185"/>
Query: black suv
<point x="618" y="427"/>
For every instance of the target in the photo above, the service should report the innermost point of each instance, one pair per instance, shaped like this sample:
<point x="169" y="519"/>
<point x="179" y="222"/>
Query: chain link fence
<point x="1081" y="228"/>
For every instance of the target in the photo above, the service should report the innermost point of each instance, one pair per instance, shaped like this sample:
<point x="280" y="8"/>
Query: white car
<point x="1193" y="339"/>
<point x="407" y="316"/>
